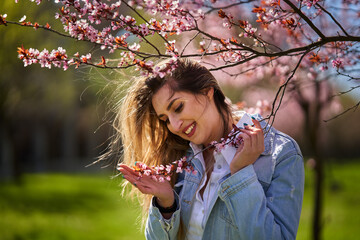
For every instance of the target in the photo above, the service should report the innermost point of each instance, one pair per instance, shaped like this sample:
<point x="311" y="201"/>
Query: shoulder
<point x="277" y="143"/>
<point x="279" y="147"/>
<point x="282" y="145"/>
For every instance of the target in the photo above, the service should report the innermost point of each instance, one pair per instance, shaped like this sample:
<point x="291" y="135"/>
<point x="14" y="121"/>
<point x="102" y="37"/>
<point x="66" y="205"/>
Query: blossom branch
<point x="162" y="173"/>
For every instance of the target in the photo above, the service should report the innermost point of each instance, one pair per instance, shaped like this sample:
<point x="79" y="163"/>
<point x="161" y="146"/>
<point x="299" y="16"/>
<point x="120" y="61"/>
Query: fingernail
<point x="135" y="163"/>
<point x="245" y="124"/>
<point x="253" y="117"/>
<point x="122" y="176"/>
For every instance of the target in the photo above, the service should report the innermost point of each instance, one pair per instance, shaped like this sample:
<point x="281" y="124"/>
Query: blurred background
<point x="53" y="123"/>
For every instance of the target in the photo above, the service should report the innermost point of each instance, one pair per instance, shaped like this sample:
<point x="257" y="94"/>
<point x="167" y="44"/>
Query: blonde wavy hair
<point x="141" y="137"/>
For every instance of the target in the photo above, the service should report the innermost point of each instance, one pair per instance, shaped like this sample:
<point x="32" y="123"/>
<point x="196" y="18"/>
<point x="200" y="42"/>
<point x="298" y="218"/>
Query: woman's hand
<point x="161" y="190"/>
<point x="250" y="149"/>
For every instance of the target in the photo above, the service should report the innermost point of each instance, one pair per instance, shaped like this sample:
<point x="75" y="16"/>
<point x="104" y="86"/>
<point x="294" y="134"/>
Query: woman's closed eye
<point x="179" y="108"/>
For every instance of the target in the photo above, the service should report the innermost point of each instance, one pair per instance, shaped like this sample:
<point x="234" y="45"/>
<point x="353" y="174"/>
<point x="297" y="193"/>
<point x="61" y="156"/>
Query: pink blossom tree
<point x="287" y="42"/>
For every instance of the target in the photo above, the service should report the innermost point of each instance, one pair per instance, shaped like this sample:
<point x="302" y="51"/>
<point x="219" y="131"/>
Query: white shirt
<point x="202" y="205"/>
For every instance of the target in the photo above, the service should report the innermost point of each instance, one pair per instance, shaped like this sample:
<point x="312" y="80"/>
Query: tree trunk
<point x="318" y="198"/>
<point x="312" y="109"/>
<point x="313" y="122"/>
<point x="6" y="156"/>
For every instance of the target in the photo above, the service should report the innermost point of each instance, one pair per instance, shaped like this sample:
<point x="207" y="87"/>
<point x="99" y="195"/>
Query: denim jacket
<point x="261" y="201"/>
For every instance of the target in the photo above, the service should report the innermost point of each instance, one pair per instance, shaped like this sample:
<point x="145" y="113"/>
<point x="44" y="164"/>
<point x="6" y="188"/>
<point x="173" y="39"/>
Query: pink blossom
<point x="168" y="168"/>
<point x="337" y="63"/>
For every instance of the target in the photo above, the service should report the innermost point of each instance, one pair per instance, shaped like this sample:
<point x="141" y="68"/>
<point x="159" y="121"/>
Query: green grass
<point x="59" y="206"/>
<point x="341" y="210"/>
<point x="71" y="207"/>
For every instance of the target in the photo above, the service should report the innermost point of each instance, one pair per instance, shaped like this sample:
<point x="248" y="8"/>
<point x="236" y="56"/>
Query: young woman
<point x="253" y="191"/>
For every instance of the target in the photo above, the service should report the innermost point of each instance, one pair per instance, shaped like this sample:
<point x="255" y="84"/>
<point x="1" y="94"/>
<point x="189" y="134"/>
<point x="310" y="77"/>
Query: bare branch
<point x="306" y="19"/>
<point x="281" y="92"/>
<point x="342" y="113"/>
<point x="332" y="17"/>
<point x="187" y="44"/>
<point x="347" y="91"/>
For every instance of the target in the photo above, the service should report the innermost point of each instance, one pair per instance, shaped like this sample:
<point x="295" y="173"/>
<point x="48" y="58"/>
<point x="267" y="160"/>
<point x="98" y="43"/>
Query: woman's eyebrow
<point x="171" y="103"/>
<point x="169" y="106"/>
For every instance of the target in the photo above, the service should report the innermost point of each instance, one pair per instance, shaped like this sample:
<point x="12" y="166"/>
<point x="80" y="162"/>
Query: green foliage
<point x="54" y="206"/>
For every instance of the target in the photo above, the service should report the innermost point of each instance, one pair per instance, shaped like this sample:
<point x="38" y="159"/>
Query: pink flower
<point x="168" y="168"/>
<point x="337" y="63"/>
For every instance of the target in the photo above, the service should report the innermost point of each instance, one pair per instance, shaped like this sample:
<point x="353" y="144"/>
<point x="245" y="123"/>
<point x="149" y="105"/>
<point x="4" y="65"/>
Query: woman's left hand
<point x="147" y="185"/>
<point x="250" y="149"/>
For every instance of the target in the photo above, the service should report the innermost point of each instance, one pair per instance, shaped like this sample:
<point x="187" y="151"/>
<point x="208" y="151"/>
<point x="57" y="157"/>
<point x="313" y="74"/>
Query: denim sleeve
<point x="271" y="215"/>
<point x="158" y="228"/>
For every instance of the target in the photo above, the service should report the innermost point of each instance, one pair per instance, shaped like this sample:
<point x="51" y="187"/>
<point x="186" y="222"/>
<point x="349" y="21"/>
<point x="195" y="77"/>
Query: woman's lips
<point x="190" y="130"/>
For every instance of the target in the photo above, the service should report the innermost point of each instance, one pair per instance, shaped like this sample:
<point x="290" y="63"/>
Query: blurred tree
<point x="44" y="125"/>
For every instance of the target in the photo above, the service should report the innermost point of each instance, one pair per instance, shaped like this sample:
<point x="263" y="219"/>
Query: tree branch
<point x="342" y="113"/>
<point x="281" y="92"/>
<point x="333" y="18"/>
<point x="306" y="19"/>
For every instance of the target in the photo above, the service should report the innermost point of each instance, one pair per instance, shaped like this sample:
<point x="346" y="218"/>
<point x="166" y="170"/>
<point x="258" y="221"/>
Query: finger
<point x="127" y="170"/>
<point x="256" y="138"/>
<point x="256" y="123"/>
<point x="124" y="171"/>
<point x="257" y="133"/>
<point x="246" y="136"/>
<point x="259" y="139"/>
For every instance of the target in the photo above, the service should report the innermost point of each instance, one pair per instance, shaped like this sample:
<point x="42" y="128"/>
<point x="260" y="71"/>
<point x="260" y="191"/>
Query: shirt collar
<point x="196" y="148"/>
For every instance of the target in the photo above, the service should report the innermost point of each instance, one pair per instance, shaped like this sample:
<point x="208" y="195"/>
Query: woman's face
<point x="192" y="117"/>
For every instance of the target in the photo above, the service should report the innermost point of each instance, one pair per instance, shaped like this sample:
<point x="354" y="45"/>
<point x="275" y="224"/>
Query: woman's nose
<point x="175" y="123"/>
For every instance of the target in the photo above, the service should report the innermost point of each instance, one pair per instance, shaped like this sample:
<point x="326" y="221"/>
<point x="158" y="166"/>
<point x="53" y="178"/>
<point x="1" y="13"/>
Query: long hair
<point x="143" y="137"/>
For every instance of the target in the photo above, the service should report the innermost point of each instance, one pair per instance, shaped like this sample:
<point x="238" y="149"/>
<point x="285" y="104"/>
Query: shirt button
<point x="202" y="211"/>
<point x="218" y="166"/>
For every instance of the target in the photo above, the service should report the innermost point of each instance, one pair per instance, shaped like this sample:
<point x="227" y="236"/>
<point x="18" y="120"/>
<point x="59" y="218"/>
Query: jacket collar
<point x="269" y="133"/>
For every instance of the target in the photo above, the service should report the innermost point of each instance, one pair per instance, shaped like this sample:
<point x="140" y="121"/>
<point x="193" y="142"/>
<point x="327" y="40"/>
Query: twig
<point x="281" y="92"/>
<point x="333" y="18"/>
<point x="187" y="44"/>
<point x="342" y="113"/>
<point x="306" y="19"/>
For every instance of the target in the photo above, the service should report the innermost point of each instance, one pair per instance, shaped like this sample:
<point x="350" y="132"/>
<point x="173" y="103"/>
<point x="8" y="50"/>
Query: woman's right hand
<point x="147" y="185"/>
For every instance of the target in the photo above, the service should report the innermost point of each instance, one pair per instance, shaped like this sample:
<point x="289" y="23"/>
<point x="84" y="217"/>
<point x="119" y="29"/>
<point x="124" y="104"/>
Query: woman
<point x="253" y="191"/>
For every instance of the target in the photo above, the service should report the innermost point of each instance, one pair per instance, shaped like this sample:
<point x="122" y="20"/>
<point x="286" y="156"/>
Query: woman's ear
<point x="210" y="93"/>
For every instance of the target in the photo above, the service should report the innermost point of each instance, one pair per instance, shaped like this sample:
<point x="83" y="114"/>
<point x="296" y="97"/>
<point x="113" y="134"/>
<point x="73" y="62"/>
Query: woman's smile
<point x="190" y="130"/>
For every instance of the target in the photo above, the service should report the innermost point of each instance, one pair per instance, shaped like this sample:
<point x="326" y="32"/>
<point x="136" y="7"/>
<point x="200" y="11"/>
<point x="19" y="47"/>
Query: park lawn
<point x="341" y="212"/>
<point x="59" y="206"/>
<point x="67" y="207"/>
